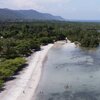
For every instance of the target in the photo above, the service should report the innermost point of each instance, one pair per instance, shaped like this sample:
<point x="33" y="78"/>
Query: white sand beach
<point x="25" y="84"/>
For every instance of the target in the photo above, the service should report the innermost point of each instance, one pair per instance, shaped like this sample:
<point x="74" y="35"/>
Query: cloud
<point x="52" y="6"/>
<point x="27" y="4"/>
<point x="23" y="4"/>
<point x="19" y="4"/>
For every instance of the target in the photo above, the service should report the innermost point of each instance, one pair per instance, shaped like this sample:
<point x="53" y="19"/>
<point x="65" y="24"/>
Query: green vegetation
<point x="19" y="40"/>
<point x="9" y="67"/>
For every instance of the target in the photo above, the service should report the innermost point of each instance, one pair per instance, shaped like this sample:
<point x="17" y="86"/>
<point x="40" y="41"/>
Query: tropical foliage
<point x="18" y="40"/>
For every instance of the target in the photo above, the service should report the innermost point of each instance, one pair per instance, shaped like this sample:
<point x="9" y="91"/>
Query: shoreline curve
<point x="25" y="84"/>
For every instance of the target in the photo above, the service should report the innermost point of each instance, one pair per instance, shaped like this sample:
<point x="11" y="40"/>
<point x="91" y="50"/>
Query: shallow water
<point x="70" y="73"/>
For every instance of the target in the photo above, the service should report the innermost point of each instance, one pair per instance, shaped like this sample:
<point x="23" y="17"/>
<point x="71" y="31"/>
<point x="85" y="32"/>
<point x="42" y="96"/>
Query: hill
<point x="24" y="15"/>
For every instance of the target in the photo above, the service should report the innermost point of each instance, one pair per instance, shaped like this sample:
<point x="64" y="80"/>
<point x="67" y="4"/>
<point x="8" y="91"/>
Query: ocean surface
<point x="70" y="73"/>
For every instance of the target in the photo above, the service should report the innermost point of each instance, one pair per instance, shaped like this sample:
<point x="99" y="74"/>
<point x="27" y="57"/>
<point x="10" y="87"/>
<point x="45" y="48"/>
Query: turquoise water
<point x="70" y="73"/>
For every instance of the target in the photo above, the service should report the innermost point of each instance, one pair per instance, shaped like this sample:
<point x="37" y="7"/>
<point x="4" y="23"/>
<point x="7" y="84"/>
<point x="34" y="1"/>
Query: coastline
<point x="25" y="84"/>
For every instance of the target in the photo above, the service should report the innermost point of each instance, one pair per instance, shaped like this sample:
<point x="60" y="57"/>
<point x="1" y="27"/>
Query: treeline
<point x="86" y="38"/>
<point x="19" y="40"/>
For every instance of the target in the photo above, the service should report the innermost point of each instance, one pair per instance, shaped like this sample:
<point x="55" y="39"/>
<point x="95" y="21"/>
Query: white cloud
<point x="27" y="4"/>
<point x="19" y="4"/>
<point x="23" y="3"/>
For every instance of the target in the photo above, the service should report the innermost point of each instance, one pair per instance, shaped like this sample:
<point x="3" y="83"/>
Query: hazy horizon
<point x="69" y="9"/>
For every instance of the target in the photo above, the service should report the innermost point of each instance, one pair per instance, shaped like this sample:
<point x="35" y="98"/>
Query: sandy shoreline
<point x="25" y="84"/>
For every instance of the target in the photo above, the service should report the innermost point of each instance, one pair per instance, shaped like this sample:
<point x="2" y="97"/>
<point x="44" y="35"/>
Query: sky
<point x="68" y="9"/>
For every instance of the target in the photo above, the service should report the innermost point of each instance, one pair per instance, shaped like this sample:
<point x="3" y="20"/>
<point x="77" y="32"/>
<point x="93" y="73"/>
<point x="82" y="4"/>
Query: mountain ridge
<point x="23" y="15"/>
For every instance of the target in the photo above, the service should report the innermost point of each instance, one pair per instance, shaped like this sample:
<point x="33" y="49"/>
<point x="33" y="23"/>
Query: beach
<point x="25" y="84"/>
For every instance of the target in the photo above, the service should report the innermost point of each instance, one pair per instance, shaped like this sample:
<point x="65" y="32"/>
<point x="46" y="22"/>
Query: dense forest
<point x="19" y="40"/>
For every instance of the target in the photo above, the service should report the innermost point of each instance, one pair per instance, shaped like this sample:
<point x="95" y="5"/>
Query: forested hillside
<point x="25" y="15"/>
<point x="19" y="40"/>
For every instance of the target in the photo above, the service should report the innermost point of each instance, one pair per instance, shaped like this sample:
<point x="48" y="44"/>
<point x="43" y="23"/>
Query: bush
<point x="46" y="40"/>
<point x="9" y="67"/>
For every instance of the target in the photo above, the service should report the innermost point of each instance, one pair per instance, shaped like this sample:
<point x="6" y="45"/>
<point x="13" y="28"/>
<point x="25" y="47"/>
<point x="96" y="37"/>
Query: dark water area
<point x="70" y="73"/>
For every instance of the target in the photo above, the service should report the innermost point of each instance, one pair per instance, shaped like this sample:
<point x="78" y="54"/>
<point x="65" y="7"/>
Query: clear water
<point x="70" y="73"/>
